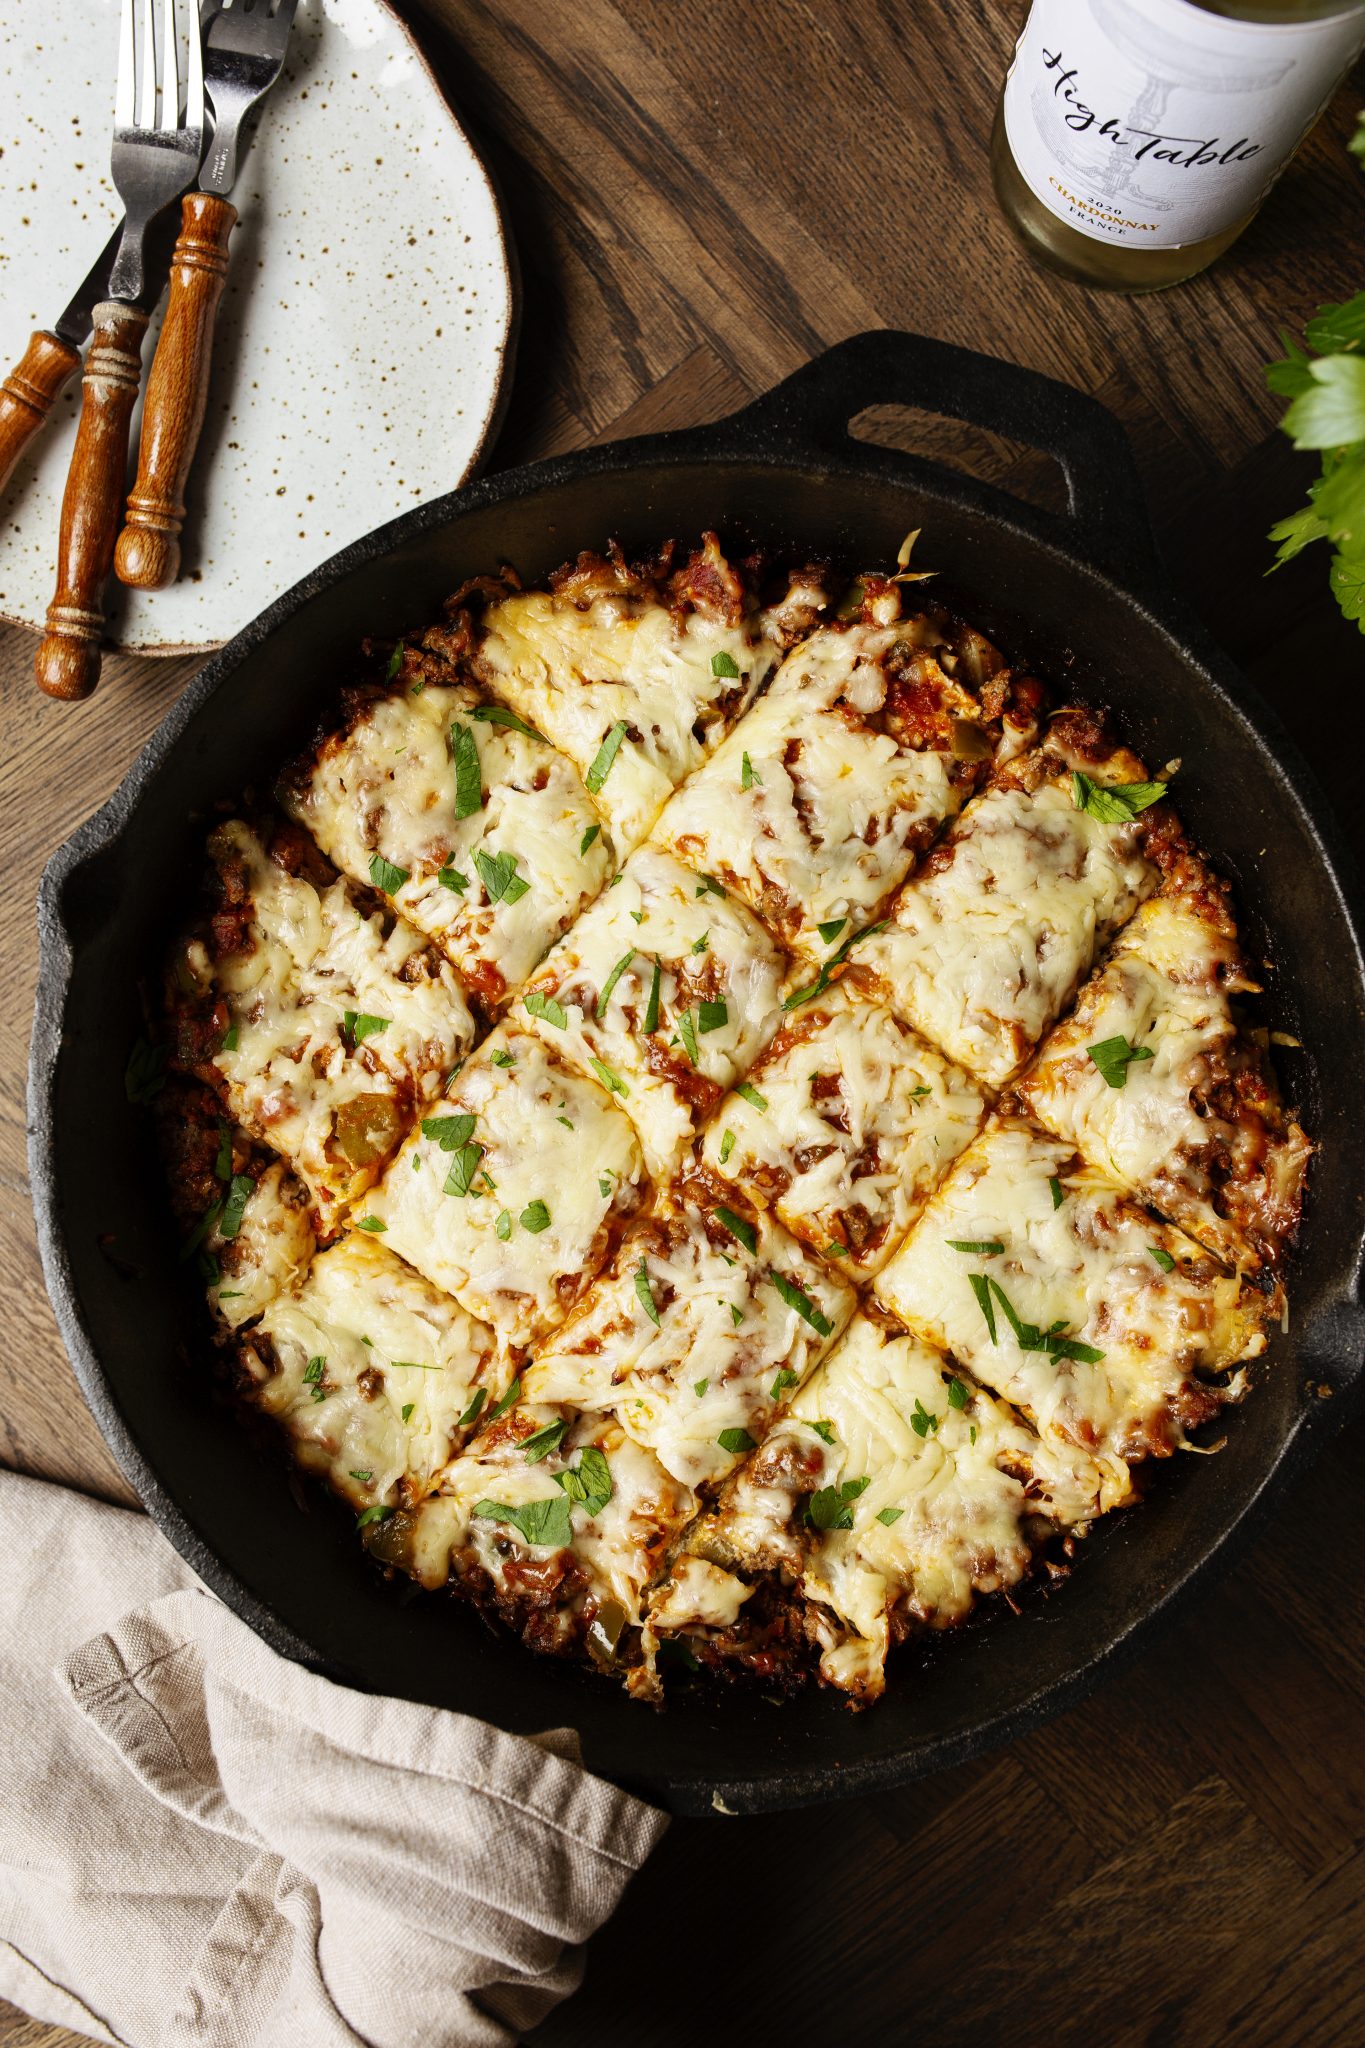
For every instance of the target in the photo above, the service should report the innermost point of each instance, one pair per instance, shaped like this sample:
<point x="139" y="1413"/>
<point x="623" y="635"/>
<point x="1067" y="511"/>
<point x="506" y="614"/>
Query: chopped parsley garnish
<point x="723" y="664"/>
<point x="699" y="1386"/>
<point x="566" y="1121"/>
<point x="830" y="931"/>
<point x="712" y="1016"/>
<point x="605" y="756"/>
<point x="797" y="1299"/>
<point x="836" y="959"/>
<point x="385" y="875"/>
<point x="638" y="916"/>
<point x="449" y="1132"/>
<point x="145" y="1074"/>
<point x="372" y="1223"/>
<point x="364" y="1477"/>
<point x="980" y="1247"/>
<point x="503" y="1059"/>
<point x="742" y="1232"/>
<point x="358" y="1025"/>
<point x="1058" y="1197"/>
<point x="537" y="1004"/>
<point x="748" y="774"/>
<point x="464" y="1167"/>
<point x="736" y="1314"/>
<point x="498" y="873"/>
<point x="687" y="1032"/>
<point x="468" y="780"/>
<point x="825" y="1430"/>
<point x="1115" y="803"/>
<point x="981" y="1288"/>
<point x="395" y="663"/>
<point x="471" y="1413"/>
<point x="498" y="714"/>
<point x="588" y="1482"/>
<point x="727" y="1146"/>
<point x="785" y="1378"/>
<point x="513" y="1394"/>
<point x="1114" y="1056"/>
<point x="835" y="1250"/>
<point x="886" y="1516"/>
<point x="617" y="971"/>
<point x="700" y="945"/>
<point x="544" y="1441"/>
<point x="710" y="887"/>
<point x="502" y="1229"/>
<point x="606" y="1076"/>
<point x="748" y="1093"/>
<point x="652" y="1006"/>
<point x="539" y="1522"/>
<point x="313" y="1371"/>
<point x="535" y="1217"/>
<point x="586" y="841"/>
<point x="736" y="1440"/>
<point x="645" y="1293"/>
<point x="378" y="1513"/>
<point x="958" y="1396"/>
<point x="923" y="1421"/>
<point x="1163" y="1259"/>
<point x="1028" y="1336"/>
<point x="234" y="1204"/>
<point x="922" y="1090"/>
<point x="406" y="1410"/>
<point x="973" y="1432"/>
<point x="832" y="1506"/>
<point x="230" y="1037"/>
<point x="604" y="1186"/>
<point x="451" y="878"/>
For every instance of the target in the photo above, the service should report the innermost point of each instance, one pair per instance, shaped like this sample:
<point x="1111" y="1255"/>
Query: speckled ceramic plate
<point x="364" y="333"/>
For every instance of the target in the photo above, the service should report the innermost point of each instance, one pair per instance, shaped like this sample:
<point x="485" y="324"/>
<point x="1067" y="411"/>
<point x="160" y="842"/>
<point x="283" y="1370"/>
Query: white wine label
<point x="1150" y="123"/>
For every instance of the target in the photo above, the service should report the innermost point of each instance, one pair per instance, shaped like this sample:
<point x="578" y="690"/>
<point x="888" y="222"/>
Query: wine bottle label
<point x="1149" y="123"/>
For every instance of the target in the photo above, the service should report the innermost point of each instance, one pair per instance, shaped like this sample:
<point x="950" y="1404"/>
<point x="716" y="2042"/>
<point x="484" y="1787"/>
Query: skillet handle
<point x="887" y="367"/>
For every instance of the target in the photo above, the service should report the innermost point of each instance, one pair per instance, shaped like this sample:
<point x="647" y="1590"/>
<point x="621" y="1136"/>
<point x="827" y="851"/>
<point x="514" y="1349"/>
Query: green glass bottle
<point x="1135" y="139"/>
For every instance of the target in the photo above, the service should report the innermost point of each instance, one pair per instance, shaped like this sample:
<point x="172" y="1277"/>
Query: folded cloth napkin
<point x="202" y="1842"/>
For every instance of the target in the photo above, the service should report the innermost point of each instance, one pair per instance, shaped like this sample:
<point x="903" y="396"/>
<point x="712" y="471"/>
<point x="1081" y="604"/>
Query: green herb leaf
<point x="736" y="1440"/>
<point x="503" y="1058"/>
<point x="406" y="1410"/>
<point x="358" y="1025"/>
<point x="386" y="876"/>
<point x="712" y="1017"/>
<point x="395" y="663"/>
<point x="313" y="1371"/>
<point x="535" y="1217"/>
<point x="378" y="1513"/>
<point x="365" y="1478"/>
<point x="588" y="1482"/>
<point x="723" y="664"/>
<point x="1053" y="1341"/>
<point x="604" y="1186"/>
<point x="700" y="945"/>
<point x="234" y="1204"/>
<point x="586" y="841"/>
<point x="699" y="1386"/>
<point x="709" y="886"/>
<point x="785" y="1378"/>
<point x="1163" y="1259"/>
<point x="539" y="1446"/>
<point x="617" y="971"/>
<point x="727" y="1146"/>
<point x="886" y="1516"/>
<point x="230" y="1038"/>
<point x="645" y="1293"/>
<point x="687" y="1032"/>
<point x="606" y="1076"/>
<point x="452" y="879"/>
<point x="449" y="1132"/>
<point x="537" y="1004"/>
<point x="1114" y="1056"/>
<point x="836" y="959"/>
<point x="748" y="1093"/>
<point x="980" y="1247"/>
<point x="736" y="1314"/>
<point x="605" y="756"/>
<point x="509" y="1399"/>
<point x="1330" y="413"/>
<point x="652" y="1006"/>
<point x="981" y="1288"/>
<point x="498" y="873"/>
<point x="471" y="1413"/>
<point x="464" y="1167"/>
<point x="748" y="774"/>
<point x="1115" y="803"/>
<point x="830" y="931"/>
<point x="498" y="714"/>
<point x="372" y="1223"/>
<point x="797" y="1299"/>
<point x="824" y="1428"/>
<point x="543" y="1523"/>
<point x="922" y="1421"/>
<point x="1058" y="1195"/>
<point x="502" y="1229"/>
<point x="468" y="778"/>
<point x="742" y="1232"/>
<point x="145" y="1074"/>
<point x="958" y="1396"/>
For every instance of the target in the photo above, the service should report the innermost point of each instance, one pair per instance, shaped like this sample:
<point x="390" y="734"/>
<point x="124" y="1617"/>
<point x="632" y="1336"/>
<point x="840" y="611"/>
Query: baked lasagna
<point x="720" y="1126"/>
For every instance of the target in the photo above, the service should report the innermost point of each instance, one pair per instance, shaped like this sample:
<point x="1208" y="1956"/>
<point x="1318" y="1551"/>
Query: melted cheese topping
<point x="375" y="1370"/>
<point x="710" y="952"/>
<point x="987" y="946"/>
<point x="1086" y="1266"/>
<point x="270" y="1252"/>
<point x="962" y="1496"/>
<point x="573" y="674"/>
<point x="387" y="787"/>
<point x="830" y="813"/>
<point x="294" y="1077"/>
<point x="857" y="1120"/>
<point x="1164" y="1132"/>
<point x="546" y="1136"/>
<point x="709" y="1363"/>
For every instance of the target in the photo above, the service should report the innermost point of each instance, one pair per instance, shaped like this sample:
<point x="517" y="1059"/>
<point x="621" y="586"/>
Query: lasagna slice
<point x="1096" y="1320"/>
<point x="323" y="1020"/>
<point x="244" y="1217"/>
<point x="376" y="1376"/>
<point x="555" y="1523"/>
<point x="843" y="1127"/>
<point x="664" y="990"/>
<point x="515" y="1187"/>
<point x="631" y="674"/>
<point x="1151" y="1080"/>
<point x="813" y="810"/>
<point x="706" y="1320"/>
<point x="986" y="945"/>
<point x="479" y="832"/>
<point x="893" y="1493"/>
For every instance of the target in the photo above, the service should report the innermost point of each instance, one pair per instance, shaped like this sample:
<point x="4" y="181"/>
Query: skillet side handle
<point x="888" y="367"/>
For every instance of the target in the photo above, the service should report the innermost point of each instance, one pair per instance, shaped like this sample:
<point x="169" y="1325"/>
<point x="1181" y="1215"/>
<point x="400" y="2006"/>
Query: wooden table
<point x="702" y="198"/>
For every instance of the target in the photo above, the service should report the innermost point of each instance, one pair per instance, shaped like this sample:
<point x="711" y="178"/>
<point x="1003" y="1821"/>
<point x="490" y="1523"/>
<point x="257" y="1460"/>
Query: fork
<point x="156" y="152"/>
<point x="244" y="46"/>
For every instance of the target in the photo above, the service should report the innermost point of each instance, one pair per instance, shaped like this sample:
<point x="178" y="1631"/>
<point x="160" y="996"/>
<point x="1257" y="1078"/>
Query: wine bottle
<point x="1135" y="139"/>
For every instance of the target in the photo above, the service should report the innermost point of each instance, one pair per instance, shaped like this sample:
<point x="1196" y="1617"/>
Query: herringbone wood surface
<point x="702" y="198"/>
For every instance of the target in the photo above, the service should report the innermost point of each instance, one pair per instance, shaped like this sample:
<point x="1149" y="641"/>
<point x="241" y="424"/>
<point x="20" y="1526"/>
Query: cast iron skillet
<point x="1082" y="596"/>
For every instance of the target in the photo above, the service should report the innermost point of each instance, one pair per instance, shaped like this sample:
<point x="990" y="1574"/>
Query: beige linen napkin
<point x="202" y="1842"/>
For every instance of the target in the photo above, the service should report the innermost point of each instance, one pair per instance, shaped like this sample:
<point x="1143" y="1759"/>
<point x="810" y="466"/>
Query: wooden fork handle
<point x="68" y="663"/>
<point x="27" y="393"/>
<point x="148" y="552"/>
